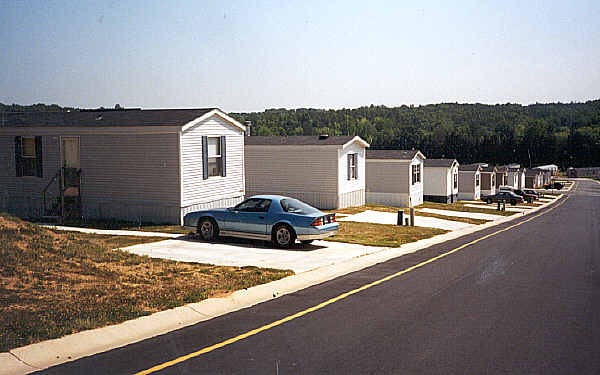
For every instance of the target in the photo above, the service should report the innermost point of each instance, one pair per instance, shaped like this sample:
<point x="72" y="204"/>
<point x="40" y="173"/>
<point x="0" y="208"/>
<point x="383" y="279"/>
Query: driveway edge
<point x="53" y="352"/>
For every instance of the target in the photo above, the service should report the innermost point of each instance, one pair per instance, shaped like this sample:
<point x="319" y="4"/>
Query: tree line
<point x="566" y="134"/>
<point x="537" y="134"/>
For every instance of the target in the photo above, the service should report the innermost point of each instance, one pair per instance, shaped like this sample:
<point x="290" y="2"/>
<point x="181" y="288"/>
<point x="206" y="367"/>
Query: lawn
<point x="55" y="283"/>
<point x="381" y="234"/>
<point x="457" y="206"/>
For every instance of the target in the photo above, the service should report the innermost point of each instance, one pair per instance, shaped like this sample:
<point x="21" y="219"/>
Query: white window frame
<point x="477" y="179"/>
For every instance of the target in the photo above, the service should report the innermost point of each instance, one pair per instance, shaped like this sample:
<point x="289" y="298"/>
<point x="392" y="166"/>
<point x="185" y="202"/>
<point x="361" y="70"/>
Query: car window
<point x="254" y="205"/>
<point x="297" y="207"/>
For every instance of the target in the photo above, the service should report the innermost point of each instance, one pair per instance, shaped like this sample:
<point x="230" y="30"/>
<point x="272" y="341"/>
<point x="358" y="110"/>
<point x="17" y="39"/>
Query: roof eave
<point x="214" y="112"/>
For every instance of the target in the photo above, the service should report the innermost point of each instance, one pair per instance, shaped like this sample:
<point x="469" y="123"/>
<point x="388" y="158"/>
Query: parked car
<point x="279" y="219"/>
<point x="533" y="192"/>
<point x="529" y="198"/>
<point x="506" y="196"/>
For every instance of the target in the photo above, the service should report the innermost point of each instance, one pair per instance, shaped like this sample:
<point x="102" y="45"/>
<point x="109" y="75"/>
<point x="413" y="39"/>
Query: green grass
<point x="457" y="206"/>
<point x="381" y="234"/>
<point x="54" y="283"/>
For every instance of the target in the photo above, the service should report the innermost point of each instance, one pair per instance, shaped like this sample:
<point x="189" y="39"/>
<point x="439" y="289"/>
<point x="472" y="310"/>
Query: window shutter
<point x="349" y="166"/>
<point x="38" y="157"/>
<point x="204" y="157"/>
<point x="223" y="155"/>
<point x="356" y="166"/>
<point x="18" y="156"/>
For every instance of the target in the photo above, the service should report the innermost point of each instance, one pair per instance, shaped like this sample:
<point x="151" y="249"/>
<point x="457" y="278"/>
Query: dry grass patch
<point x="381" y="234"/>
<point x="55" y="283"/>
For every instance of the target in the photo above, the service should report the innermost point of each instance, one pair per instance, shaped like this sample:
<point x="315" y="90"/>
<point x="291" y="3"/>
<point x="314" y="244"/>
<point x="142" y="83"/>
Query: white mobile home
<point x="440" y="180"/>
<point x="327" y="172"/>
<point x="142" y="165"/>
<point x="469" y="182"/>
<point x="395" y="177"/>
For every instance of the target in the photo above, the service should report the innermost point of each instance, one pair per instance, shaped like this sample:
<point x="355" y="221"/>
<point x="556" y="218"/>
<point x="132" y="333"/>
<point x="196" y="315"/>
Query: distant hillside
<point x="563" y="134"/>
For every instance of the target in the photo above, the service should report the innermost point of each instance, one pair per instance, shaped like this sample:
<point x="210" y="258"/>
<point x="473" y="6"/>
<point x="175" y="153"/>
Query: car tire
<point x="488" y="201"/>
<point x="307" y="242"/>
<point x="283" y="236"/>
<point x="208" y="230"/>
<point x="513" y="202"/>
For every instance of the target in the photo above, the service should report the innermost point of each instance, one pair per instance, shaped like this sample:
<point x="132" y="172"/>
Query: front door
<point x="71" y="164"/>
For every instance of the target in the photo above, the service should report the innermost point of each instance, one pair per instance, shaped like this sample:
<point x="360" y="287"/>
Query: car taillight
<point x="318" y="222"/>
<point x="333" y="218"/>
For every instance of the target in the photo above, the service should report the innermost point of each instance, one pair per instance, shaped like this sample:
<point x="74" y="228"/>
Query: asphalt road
<point x="522" y="301"/>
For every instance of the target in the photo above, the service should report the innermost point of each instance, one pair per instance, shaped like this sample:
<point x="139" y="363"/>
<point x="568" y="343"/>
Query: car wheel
<point x="307" y="242"/>
<point x="283" y="236"/>
<point x="488" y="201"/>
<point x="208" y="229"/>
<point x="513" y="202"/>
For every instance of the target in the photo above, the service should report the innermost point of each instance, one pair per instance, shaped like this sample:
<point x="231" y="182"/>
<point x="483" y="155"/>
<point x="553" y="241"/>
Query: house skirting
<point x="130" y="210"/>
<point x="441" y="198"/>
<point x="218" y="203"/>
<point x="388" y="199"/>
<point x="468" y="196"/>
<point x="351" y="199"/>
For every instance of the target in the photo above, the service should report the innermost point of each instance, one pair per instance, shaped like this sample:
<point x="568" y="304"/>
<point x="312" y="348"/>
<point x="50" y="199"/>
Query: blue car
<point x="264" y="217"/>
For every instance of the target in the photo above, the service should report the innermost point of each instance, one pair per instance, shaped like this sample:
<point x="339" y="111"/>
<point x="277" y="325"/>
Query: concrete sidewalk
<point x="113" y="232"/>
<point x="379" y="217"/>
<point x="49" y="353"/>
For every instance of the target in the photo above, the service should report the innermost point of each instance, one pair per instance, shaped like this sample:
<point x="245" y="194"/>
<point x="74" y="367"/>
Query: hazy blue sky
<point x="248" y="56"/>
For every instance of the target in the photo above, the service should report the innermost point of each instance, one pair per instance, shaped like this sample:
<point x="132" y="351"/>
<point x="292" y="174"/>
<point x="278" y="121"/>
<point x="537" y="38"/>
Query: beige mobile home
<point x="469" y="182"/>
<point x="488" y="180"/>
<point x="440" y="180"/>
<point x="327" y="172"/>
<point x="142" y="165"/>
<point x="395" y="177"/>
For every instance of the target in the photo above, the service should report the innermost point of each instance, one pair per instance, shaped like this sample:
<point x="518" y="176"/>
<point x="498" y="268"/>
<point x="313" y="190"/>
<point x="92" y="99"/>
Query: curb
<point x="38" y="356"/>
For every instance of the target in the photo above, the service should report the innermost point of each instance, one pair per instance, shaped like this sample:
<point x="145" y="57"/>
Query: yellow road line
<point x="330" y="301"/>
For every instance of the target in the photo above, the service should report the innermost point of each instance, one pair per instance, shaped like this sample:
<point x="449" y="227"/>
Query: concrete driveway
<point x="240" y="252"/>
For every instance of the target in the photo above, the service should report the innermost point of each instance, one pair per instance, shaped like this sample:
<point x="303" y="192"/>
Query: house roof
<point x="303" y="140"/>
<point x="469" y="167"/>
<point x="393" y="154"/>
<point x="489" y="169"/>
<point x="102" y="118"/>
<point x="440" y="162"/>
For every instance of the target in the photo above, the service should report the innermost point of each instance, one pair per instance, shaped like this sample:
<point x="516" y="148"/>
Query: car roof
<point x="270" y="196"/>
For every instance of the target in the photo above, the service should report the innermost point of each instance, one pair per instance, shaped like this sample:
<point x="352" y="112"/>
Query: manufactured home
<point x="533" y="179"/>
<point x="127" y="164"/>
<point x="488" y="180"/>
<point x="395" y="177"/>
<point x="327" y="172"/>
<point x="469" y="182"/>
<point x="440" y="180"/>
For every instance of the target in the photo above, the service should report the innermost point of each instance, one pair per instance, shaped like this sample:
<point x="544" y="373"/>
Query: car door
<point x="251" y="216"/>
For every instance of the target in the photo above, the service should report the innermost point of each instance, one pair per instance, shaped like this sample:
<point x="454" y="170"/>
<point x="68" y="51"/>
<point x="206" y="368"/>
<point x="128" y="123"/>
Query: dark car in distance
<point x="533" y="192"/>
<point x="503" y="196"/>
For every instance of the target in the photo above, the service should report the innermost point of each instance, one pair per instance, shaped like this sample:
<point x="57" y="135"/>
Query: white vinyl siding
<point x="217" y="190"/>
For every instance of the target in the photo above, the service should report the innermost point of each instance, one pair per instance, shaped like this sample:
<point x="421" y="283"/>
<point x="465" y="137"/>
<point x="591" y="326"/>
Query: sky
<point x="245" y="56"/>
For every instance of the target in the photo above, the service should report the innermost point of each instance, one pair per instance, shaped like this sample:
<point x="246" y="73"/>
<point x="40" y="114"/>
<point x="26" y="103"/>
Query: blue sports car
<point x="264" y="217"/>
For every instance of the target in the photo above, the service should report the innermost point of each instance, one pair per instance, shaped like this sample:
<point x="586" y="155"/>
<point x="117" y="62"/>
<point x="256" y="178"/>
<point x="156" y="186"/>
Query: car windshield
<point x="297" y="207"/>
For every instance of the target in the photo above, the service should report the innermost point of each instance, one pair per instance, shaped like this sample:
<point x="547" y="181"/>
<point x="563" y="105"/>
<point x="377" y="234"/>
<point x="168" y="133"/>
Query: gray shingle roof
<point x="391" y="154"/>
<point x="439" y="162"/>
<point x="91" y="118"/>
<point x="468" y="167"/>
<point x="298" y="140"/>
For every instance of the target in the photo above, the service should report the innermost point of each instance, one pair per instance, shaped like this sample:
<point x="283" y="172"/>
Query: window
<point x="416" y="173"/>
<point x="493" y="182"/>
<point x="213" y="156"/>
<point x="477" y="179"/>
<point x="28" y="156"/>
<point x="352" y="166"/>
<point x="295" y="206"/>
<point x="456" y="180"/>
<point x="254" y="205"/>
